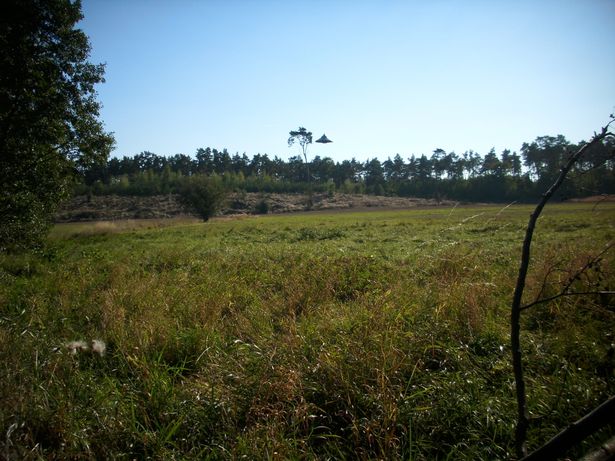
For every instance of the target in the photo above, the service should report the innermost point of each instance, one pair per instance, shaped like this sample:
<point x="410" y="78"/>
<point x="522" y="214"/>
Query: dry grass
<point x="93" y="228"/>
<point x="378" y="335"/>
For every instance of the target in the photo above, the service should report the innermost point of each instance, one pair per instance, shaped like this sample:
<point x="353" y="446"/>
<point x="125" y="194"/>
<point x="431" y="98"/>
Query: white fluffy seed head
<point x="98" y="347"/>
<point x="77" y="346"/>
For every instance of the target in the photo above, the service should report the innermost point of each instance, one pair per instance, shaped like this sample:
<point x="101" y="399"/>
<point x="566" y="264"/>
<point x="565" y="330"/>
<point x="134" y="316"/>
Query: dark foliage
<point x="49" y="126"/>
<point x="202" y="194"/>
<point x="444" y="175"/>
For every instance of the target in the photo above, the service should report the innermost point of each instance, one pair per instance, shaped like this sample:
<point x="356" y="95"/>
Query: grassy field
<point x="376" y="335"/>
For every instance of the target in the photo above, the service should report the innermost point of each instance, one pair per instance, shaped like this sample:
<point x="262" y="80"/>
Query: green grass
<point x="376" y="335"/>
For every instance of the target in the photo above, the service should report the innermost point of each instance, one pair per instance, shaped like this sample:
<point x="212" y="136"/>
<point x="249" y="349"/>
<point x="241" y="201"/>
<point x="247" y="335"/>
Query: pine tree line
<point x="508" y="176"/>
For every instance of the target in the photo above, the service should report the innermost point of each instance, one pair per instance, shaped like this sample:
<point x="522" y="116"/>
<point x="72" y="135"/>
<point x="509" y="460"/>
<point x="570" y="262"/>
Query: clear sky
<point x="378" y="77"/>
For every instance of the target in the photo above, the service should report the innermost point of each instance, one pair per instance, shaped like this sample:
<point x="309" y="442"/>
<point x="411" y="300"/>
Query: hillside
<point x="112" y="207"/>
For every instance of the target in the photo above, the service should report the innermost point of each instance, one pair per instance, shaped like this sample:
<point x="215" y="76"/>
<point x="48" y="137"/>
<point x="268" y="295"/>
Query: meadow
<point x="349" y="335"/>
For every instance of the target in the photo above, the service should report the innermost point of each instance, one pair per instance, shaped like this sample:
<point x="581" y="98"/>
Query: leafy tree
<point x="438" y="161"/>
<point x="303" y="138"/>
<point x="394" y="170"/>
<point x="545" y="156"/>
<point x="595" y="173"/>
<point x="424" y="167"/>
<point x="453" y="166"/>
<point x="222" y="161"/>
<point x="240" y="163"/>
<point x="323" y="168"/>
<point x="182" y="163"/>
<point x="506" y="162"/>
<point x="492" y="166"/>
<point x="374" y="175"/>
<point x="49" y="126"/>
<point x="515" y="164"/>
<point x="472" y="163"/>
<point x="149" y="161"/>
<point x="345" y="172"/>
<point x="203" y="160"/>
<point x="411" y="167"/>
<point x="202" y="194"/>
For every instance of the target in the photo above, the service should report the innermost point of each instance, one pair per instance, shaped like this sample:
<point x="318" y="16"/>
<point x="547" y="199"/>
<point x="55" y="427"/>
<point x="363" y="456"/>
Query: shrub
<point x="202" y="194"/>
<point x="262" y="207"/>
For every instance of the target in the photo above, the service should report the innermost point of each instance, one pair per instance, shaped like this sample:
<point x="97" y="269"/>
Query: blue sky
<point x="378" y="77"/>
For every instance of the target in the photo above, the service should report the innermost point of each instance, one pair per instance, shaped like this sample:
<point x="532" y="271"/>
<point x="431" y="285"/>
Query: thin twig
<point x="515" y="315"/>
<point x="564" y="292"/>
<point x="598" y="202"/>
<point x="561" y="295"/>
<point x="551" y="269"/>
<point x="509" y="205"/>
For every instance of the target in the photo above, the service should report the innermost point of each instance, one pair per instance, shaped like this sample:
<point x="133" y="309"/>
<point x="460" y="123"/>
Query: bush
<point x="202" y="194"/>
<point x="262" y="207"/>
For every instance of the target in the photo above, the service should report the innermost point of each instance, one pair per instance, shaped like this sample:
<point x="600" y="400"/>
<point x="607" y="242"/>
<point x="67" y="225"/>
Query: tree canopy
<point x="301" y="136"/>
<point x="504" y="177"/>
<point x="49" y="115"/>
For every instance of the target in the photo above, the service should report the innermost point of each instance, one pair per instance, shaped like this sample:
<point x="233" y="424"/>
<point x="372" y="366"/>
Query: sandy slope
<point x="111" y="207"/>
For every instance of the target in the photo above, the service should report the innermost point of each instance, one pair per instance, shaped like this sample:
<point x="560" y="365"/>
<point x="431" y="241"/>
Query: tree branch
<point x="606" y="452"/>
<point x="543" y="286"/>
<point x="564" y="292"/>
<point x="560" y="295"/>
<point x="515" y="314"/>
<point x="576" y="432"/>
<point x="602" y="199"/>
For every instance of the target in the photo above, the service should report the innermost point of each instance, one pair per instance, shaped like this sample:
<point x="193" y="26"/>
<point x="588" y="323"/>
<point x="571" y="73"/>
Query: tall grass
<point x="380" y="335"/>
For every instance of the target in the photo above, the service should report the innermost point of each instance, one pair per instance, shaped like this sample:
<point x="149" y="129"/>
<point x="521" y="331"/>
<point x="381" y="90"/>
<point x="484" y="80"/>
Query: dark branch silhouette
<point x="575" y="433"/>
<point x="593" y="262"/>
<point x="516" y="308"/>
<point x="561" y="295"/>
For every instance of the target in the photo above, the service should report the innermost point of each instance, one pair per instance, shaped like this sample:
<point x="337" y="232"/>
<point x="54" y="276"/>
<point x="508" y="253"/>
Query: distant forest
<point x="506" y="177"/>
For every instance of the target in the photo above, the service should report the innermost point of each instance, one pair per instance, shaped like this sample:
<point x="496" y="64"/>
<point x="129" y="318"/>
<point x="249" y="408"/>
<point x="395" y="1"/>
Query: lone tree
<point x="49" y="126"/>
<point x="303" y="138"/>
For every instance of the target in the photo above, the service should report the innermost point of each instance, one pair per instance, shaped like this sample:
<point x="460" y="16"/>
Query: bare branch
<point x="588" y="265"/>
<point x="561" y="295"/>
<point x="515" y="314"/>
<point x="576" y="276"/>
<point x="576" y="432"/>
<point x="602" y="199"/>
<point x="553" y="268"/>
